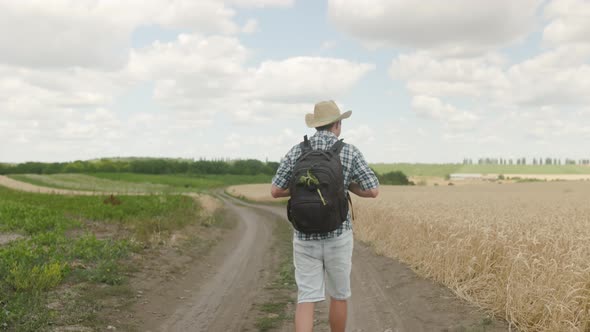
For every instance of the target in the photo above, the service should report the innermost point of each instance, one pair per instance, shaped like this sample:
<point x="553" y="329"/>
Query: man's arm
<point x="364" y="181"/>
<point x="280" y="182"/>
<point x="356" y="189"/>
<point x="277" y="192"/>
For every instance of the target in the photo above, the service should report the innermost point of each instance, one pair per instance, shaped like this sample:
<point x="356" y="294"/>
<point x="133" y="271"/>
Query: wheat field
<point x="521" y="251"/>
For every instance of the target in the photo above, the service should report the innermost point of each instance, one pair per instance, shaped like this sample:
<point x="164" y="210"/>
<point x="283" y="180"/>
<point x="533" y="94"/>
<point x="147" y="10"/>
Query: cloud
<point x="429" y="74"/>
<point x="205" y="75"/>
<point x="456" y="27"/>
<point x="359" y="135"/>
<point x="306" y="78"/>
<point x="262" y="3"/>
<point x="568" y="22"/>
<point x="96" y="34"/>
<point x="434" y="108"/>
<point x="555" y="77"/>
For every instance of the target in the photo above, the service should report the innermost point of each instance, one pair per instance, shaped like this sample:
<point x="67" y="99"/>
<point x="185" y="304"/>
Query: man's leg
<point x="309" y="275"/>
<point x="338" y="263"/>
<point x="338" y="312"/>
<point x="304" y="317"/>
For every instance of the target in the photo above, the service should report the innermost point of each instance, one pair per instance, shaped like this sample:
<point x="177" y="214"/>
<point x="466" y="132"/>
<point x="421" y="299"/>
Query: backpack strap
<point x="337" y="147"/>
<point x="350" y="201"/>
<point x="305" y="145"/>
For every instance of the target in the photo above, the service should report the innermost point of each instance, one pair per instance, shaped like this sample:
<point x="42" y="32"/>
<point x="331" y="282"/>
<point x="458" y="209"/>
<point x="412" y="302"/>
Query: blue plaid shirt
<point x="353" y="164"/>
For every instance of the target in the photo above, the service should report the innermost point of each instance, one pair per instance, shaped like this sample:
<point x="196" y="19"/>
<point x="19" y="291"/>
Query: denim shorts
<point x="322" y="265"/>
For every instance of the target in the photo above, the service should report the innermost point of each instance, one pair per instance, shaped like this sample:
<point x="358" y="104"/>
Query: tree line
<point x="145" y="166"/>
<point x="524" y="161"/>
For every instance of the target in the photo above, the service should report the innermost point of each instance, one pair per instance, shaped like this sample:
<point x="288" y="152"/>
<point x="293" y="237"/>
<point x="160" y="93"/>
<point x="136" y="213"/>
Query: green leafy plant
<point x="311" y="181"/>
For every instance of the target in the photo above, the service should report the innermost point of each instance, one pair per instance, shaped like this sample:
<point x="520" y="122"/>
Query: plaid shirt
<point x="353" y="164"/>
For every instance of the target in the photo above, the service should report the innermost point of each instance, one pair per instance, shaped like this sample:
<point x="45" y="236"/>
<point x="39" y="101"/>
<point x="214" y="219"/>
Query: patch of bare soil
<point x="208" y="203"/>
<point x="9" y="237"/>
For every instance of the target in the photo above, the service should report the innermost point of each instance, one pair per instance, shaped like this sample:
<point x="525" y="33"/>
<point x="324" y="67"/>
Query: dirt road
<point x="217" y="292"/>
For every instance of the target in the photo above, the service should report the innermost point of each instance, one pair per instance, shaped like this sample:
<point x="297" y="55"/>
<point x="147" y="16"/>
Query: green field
<point x="134" y="183"/>
<point x="59" y="246"/>
<point x="442" y="170"/>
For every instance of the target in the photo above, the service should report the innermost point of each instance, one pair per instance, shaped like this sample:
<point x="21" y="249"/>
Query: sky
<point x="428" y="81"/>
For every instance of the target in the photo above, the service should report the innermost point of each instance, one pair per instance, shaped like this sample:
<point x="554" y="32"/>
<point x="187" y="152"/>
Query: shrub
<point x="393" y="178"/>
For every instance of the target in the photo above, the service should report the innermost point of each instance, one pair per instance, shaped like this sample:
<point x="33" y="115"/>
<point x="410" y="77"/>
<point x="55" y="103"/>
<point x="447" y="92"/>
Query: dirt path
<point x="217" y="292"/>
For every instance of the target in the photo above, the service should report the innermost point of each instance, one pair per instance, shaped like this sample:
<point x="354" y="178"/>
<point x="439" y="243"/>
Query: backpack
<point x="318" y="202"/>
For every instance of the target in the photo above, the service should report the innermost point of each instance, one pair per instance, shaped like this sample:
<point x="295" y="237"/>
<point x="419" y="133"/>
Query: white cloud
<point x="556" y="77"/>
<point x="306" y="78"/>
<point x="452" y="27"/>
<point x="359" y="135"/>
<point x="64" y="33"/>
<point x="569" y="22"/>
<point x="428" y="74"/>
<point x="262" y="3"/>
<point x="205" y="75"/>
<point x="73" y="33"/>
<point x="434" y="108"/>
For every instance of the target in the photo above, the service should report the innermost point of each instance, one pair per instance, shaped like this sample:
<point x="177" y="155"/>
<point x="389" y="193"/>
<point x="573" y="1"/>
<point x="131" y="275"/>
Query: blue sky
<point x="234" y="79"/>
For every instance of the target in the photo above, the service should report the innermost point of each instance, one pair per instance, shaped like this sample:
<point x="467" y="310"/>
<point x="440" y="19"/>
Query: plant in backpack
<point x="310" y="181"/>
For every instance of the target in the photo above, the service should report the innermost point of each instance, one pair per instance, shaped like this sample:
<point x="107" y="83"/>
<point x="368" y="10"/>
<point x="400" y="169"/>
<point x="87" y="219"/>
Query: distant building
<point x="466" y="176"/>
<point x="472" y="176"/>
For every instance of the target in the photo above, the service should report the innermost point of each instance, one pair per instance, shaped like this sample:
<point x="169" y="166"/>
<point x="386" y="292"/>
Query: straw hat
<point x="325" y="112"/>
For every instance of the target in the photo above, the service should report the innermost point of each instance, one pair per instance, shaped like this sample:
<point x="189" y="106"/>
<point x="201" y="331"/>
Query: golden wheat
<point x="253" y="192"/>
<point x="521" y="251"/>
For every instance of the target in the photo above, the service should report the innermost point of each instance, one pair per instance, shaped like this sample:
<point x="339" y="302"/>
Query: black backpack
<point x="318" y="202"/>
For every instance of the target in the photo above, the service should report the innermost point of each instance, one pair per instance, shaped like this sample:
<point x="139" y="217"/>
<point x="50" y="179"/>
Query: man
<point x="325" y="258"/>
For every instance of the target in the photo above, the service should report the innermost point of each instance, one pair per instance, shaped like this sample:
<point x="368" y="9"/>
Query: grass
<point x="61" y="246"/>
<point x="441" y="170"/>
<point x="273" y="311"/>
<point x="133" y="183"/>
<point x="183" y="182"/>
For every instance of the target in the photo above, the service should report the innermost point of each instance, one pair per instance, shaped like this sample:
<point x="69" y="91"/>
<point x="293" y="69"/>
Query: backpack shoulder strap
<point x="337" y="147"/>
<point x="305" y="145"/>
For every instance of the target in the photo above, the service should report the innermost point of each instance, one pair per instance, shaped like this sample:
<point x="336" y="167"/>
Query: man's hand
<point x="277" y="192"/>
<point x="356" y="189"/>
